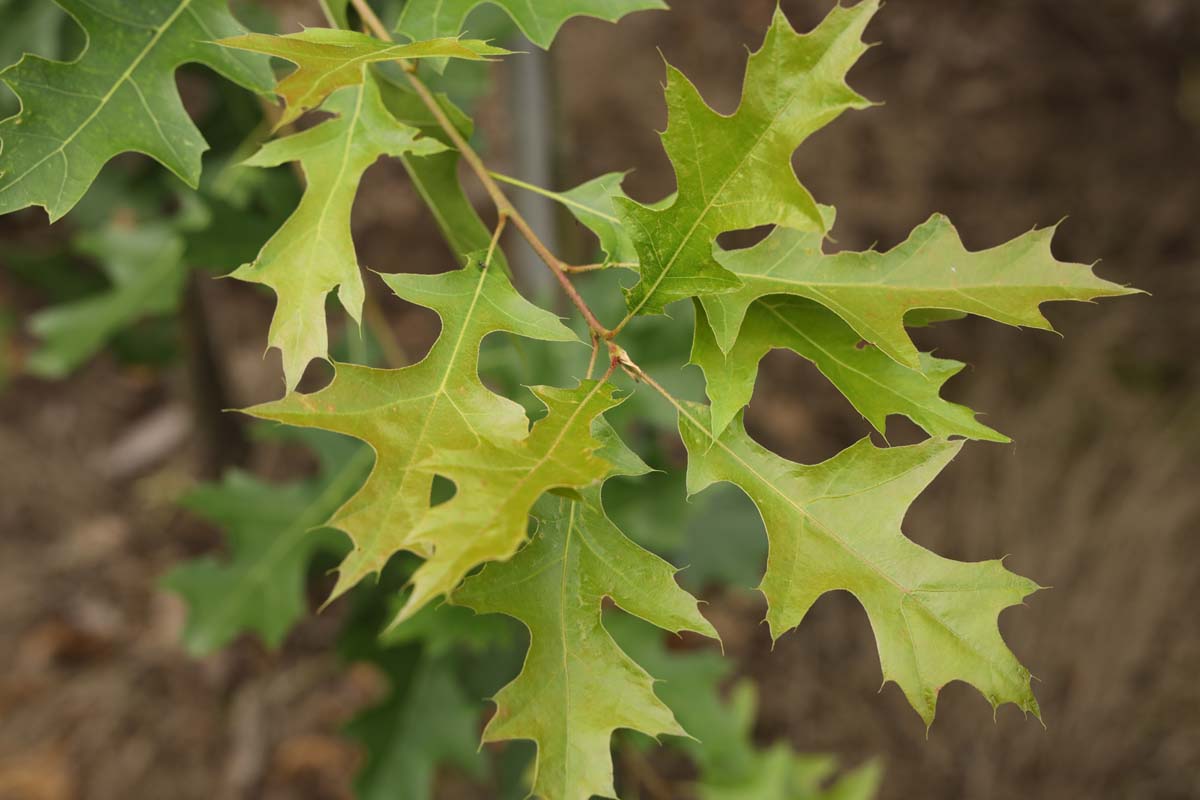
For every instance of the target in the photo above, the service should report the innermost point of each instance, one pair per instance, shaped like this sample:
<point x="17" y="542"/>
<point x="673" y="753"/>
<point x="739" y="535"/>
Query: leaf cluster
<point x="527" y="533"/>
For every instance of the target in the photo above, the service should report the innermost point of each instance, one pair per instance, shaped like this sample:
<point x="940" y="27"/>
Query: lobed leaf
<point x="577" y="685"/>
<point x="496" y="484"/>
<point x="875" y="385"/>
<point x="406" y="414"/>
<point x="118" y="96"/>
<point x="873" y="291"/>
<point x="328" y="59"/>
<point x="734" y="172"/>
<point x="836" y="525"/>
<point x="313" y="252"/>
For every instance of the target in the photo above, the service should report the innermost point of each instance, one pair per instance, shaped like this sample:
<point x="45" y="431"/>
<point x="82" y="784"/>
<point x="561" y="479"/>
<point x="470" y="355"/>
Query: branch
<point x="503" y="205"/>
<point x="638" y="374"/>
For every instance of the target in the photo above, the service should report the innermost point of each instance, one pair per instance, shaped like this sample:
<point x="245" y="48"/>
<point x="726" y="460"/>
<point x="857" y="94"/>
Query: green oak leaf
<point x="539" y="21"/>
<point x="836" y="525"/>
<point x="734" y="172"/>
<point x="577" y="685"/>
<point x="722" y="743"/>
<point x="425" y="721"/>
<point x="436" y="176"/>
<point x="146" y="269"/>
<point x="496" y="484"/>
<point x="592" y="203"/>
<point x="873" y="291"/>
<point x="313" y="252"/>
<point x="118" y="96"/>
<point x="876" y="385"/>
<point x="406" y="414"/>
<point x="328" y="59"/>
<point x="273" y="532"/>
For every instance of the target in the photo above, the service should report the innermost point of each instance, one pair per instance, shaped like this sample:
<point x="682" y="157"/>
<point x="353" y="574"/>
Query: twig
<point x="503" y="205"/>
<point x="508" y="213"/>
<point x="372" y="21"/>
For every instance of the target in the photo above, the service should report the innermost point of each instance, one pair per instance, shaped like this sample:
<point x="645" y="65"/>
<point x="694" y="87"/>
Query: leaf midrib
<point x="724" y="183"/>
<point x="413" y="452"/>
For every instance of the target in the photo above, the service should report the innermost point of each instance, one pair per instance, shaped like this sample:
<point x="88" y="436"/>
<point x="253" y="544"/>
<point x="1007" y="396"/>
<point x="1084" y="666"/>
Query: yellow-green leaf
<point x="577" y="685"/>
<point x="875" y="384"/>
<point x="735" y="172"/>
<point x="873" y="291"/>
<point x="328" y="59"/>
<point x="496" y="484"/>
<point x="836" y="525"/>
<point x="313" y="252"/>
<point x="407" y="414"/>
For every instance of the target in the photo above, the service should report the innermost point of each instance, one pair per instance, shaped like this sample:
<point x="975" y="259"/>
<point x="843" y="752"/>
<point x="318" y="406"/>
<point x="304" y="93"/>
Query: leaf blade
<point x="404" y="414"/>
<point x="313" y="252"/>
<point x="329" y="59"/>
<point x="875" y="385"/>
<point x="578" y="685"/>
<point x="836" y="525"/>
<point x="118" y="96"/>
<point x="732" y="172"/>
<point x="932" y="269"/>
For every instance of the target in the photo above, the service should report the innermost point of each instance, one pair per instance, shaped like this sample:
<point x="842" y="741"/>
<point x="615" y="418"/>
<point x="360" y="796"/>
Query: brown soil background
<point x="1002" y="115"/>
